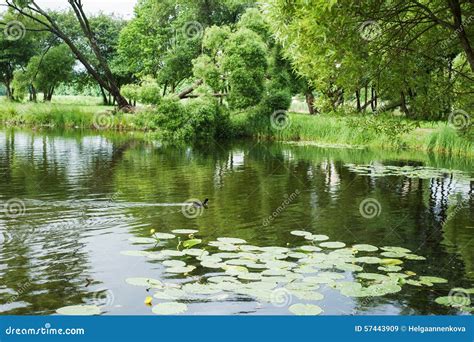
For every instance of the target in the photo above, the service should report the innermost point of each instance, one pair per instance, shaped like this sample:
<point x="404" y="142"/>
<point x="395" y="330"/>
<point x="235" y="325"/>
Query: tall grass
<point x="338" y="130"/>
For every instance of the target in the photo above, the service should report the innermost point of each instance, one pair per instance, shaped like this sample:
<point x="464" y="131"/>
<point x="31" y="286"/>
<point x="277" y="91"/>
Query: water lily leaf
<point x="172" y="253"/>
<point x="146" y="282"/>
<point x="180" y="269"/>
<point x="231" y="241"/>
<point x="191" y="243"/>
<point x="319" y="237"/>
<point x="297" y="255"/>
<point x="389" y="268"/>
<point x="142" y="240"/>
<point x="365" y="248"/>
<point x="348" y="267"/>
<point x="238" y="262"/>
<point x="170" y="294"/>
<point x="334" y="244"/>
<point x="368" y="260"/>
<point x="318" y="280"/>
<point x="300" y="233"/>
<point x="305" y="309"/>
<point x="226" y="255"/>
<point x="456" y="300"/>
<point x="249" y="248"/>
<point x="250" y="276"/>
<point x="394" y="249"/>
<point x="169" y="308"/>
<point x="460" y="289"/>
<point x="235" y="270"/>
<point x="212" y="264"/>
<point x="391" y="262"/>
<point x="220" y="279"/>
<point x="261" y="285"/>
<point x="164" y="236"/>
<point x="184" y="231"/>
<point x="299" y="286"/>
<point x="196" y="252"/>
<point x="393" y="254"/>
<point x="414" y="257"/>
<point x="201" y="289"/>
<point x="228" y="248"/>
<point x="373" y="276"/>
<point x="79" y="310"/>
<point x="275" y="272"/>
<point x="255" y="265"/>
<point x="174" y="263"/>
<point x="135" y="253"/>
<point x="433" y="280"/>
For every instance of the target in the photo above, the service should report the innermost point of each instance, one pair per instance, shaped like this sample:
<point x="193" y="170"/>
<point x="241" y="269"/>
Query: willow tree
<point x="98" y="67"/>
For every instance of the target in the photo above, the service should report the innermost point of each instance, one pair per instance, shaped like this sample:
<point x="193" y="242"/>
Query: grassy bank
<point x="432" y="137"/>
<point x="353" y="131"/>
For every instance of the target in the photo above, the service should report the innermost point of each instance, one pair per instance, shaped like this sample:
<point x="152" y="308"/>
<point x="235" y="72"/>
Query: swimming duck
<point x="201" y="204"/>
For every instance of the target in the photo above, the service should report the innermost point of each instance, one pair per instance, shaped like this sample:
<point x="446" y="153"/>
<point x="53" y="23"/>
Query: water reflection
<point x="84" y="195"/>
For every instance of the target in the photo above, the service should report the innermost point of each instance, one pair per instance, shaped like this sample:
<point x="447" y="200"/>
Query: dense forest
<point x="210" y="59"/>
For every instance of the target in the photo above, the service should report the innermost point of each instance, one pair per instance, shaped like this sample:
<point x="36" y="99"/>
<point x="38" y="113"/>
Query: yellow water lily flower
<point x="152" y="231"/>
<point x="148" y="300"/>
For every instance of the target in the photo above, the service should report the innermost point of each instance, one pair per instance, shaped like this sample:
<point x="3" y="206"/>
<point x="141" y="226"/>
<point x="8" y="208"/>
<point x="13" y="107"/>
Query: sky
<point x="120" y="7"/>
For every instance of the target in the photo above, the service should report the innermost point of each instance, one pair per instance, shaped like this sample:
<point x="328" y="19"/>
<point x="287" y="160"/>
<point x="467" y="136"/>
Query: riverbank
<point x="324" y="130"/>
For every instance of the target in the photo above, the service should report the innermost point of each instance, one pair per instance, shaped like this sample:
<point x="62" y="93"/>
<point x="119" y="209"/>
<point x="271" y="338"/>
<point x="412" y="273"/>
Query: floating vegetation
<point x="305" y="309"/>
<point x="169" y="308"/>
<point x="184" y="231"/>
<point x="422" y="172"/>
<point x="231" y="267"/>
<point x="79" y="310"/>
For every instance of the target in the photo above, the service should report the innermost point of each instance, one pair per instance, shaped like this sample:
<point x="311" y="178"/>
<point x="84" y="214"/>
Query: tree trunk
<point x="9" y="91"/>
<point x="460" y="30"/>
<point x="372" y="99"/>
<point x="403" y="104"/>
<point x="310" y="102"/>
<point x="105" y="100"/>
<point x="359" y="109"/>
<point x="366" y="100"/>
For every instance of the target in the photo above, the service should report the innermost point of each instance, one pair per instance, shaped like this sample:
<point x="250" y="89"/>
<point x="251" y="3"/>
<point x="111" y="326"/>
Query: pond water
<point x="77" y="210"/>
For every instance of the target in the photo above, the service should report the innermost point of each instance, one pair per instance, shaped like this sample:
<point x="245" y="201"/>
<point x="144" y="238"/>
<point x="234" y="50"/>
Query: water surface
<point x="71" y="202"/>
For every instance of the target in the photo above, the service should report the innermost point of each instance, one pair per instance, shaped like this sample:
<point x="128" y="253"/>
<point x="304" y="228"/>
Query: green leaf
<point x="169" y="308"/>
<point x="305" y="309"/>
<point x="79" y="310"/>
<point x="191" y="243"/>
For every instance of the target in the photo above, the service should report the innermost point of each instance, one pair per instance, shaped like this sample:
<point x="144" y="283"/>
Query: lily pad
<point x="310" y="249"/>
<point x="319" y="237"/>
<point x="231" y="241"/>
<point x="433" y="280"/>
<point x="169" y="308"/>
<point x="300" y="233"/>
<point x="365" y="248"/>
<point x="334" y="244"/>
<point x="456" y="300"/>
<point x="146" y="282"/>
<point x="191" y="243"/>
<point x="369" y="260"/>
<point x="305" y="309"/>
<point x="174" y="263"/>
<point x="184" y="231"/>
<point x="170" y="294"/>
<point x="201" y="289"/>
<point x="172" y="253"/>
<point x="164" y="236"/>
<point x="307" y="295"/>
<point x="79" y="310"/>
<point x="180" y="269"/>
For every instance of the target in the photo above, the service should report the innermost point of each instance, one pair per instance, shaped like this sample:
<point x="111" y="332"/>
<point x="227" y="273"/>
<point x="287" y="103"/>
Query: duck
<point x="202" y="204"/>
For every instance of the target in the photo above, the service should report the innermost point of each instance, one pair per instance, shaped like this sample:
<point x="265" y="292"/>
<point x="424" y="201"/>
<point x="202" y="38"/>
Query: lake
<point x="280" y="228"/>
